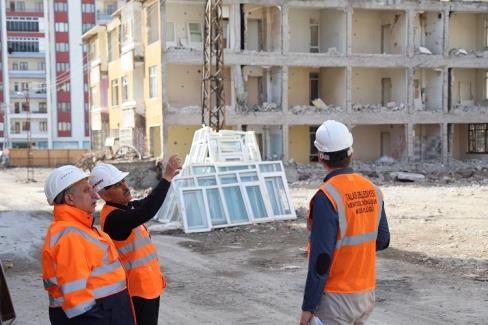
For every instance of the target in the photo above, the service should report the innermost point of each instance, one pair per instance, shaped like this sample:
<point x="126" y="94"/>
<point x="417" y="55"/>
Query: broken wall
<point x="375" y="30"/>
<point x="427" y="142"/>
<point x="468" y="86"/>
<point x="180" y="15"/>
<point x="299" y="28"/>
<point x="299" y="143"/>
<point x="427" y="89"/>
<point x="466" y="31"/>
<point x="367" y="85"/>
<point x="299" y="85"/>
<point x="333" y="86"/>
<point x="373" y="141"/>
<point x="262" y="28"/>
<point x="333" y="30"/>
<point x="428" y="31"/>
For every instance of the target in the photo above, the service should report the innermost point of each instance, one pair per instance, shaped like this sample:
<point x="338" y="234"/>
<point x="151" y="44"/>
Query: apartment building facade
<point x="44" y="73"/>
<point x="408" y="77"/>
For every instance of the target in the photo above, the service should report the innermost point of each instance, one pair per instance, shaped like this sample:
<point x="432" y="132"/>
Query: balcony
<point x="22" y="74"/>
<point x="13" y="10"/>
<point x="38" y="94"/>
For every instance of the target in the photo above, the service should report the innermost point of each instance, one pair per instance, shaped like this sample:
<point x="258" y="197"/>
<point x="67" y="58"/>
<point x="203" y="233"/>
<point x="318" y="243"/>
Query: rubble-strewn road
<point x="436" y="271"/>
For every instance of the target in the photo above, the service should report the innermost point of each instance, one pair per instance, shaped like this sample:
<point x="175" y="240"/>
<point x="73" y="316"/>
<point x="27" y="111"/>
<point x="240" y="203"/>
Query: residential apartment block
<point x="44" y="75"/>
<point x="410" y="78"/>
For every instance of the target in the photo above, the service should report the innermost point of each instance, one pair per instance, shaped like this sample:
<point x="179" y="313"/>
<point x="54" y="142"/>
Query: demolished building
<point x="410" y="78"/>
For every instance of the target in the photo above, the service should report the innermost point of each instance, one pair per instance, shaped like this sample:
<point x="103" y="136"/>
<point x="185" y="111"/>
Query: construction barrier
<point x="44" y="158"/>
<point x="7" y="311"/>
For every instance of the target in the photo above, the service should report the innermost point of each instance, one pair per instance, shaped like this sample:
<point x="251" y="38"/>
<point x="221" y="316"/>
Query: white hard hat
<point x="60" y="179"/>
<point x="104" y="175"/>
<point x="332" y="136"/>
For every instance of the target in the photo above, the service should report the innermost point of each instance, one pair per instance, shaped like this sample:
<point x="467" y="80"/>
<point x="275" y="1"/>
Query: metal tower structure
<point x="213" y="67"/>
<point x="30" y="169"/>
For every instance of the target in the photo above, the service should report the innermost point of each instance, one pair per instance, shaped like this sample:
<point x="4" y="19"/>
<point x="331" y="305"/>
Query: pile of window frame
<point x="224" y="183"/>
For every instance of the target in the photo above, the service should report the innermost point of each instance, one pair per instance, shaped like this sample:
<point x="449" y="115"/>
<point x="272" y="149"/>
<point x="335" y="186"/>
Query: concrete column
<point x="410" y="93"/>
<point x="409" y="139"/>
<point x="164" y="81"/>
<point x="445" y="90"/>
<point x="268" y="45"/>
<point x="445" y="17"/>
<point x="349" y="12"/>
<point x="284" y="90"/>
<point x="349" y="89"/>
<point x="444" y="143"/>
<point x="235" y="27"/>
<point x="285" y="132"/>
<point x="450" y="140"/>
<point x="410" y="31"/>
<point x="285" y="44"/>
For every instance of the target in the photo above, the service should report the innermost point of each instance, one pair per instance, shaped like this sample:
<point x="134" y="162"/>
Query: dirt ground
<point x="435" y="271"/>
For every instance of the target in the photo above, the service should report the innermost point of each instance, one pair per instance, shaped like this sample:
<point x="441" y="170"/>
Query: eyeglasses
<point x="119" y="183"/>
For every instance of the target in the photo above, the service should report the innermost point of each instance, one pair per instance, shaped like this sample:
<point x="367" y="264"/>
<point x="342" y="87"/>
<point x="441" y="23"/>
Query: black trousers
<point x="147" y="310"/>
<point x="111" y="310"/>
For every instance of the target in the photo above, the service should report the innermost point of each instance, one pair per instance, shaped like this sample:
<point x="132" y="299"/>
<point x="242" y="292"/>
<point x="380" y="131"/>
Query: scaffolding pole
<point x="213" y="67"/>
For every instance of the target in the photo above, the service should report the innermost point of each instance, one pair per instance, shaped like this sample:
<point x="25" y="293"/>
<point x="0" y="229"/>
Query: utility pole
<point x="213" y="75"/>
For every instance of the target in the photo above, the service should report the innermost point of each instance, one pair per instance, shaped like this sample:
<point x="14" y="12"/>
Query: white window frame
<point x="195" y="45"/>
<point x="314" y="48"/>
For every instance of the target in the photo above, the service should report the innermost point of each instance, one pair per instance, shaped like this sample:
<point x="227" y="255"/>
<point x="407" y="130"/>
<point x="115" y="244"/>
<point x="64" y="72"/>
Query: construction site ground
<point x="435" y="271"/>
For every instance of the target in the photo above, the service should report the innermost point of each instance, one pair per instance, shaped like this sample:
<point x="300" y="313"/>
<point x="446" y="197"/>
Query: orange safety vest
<point x="358" y="203"/>
<point x="140" y="260"/>
<point x="79" y="263"/>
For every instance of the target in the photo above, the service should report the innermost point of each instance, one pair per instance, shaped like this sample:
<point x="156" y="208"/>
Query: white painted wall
<point x="366" y="85"/>
<point x="276" y="85"/>
<point x="76" y="73"/>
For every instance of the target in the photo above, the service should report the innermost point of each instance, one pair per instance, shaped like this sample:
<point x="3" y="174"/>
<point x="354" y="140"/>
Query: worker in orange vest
<point x="124" y="220"/>
<point x="85" y="281"/>
<point x="348" y="225"/>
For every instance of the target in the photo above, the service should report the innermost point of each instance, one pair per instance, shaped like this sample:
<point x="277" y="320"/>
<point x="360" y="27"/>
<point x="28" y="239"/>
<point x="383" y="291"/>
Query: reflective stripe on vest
<point x="357" y="239"/>
<point x="138" y="243"/>
<point x="140" y="261"/>
<point x="80" y="308"/>
<point x="57" y="237"/>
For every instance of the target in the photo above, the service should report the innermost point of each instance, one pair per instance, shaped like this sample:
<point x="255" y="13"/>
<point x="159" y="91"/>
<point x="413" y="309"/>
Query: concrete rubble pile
<point x="225" y="183"/>
<point x="469" y="52"/>
<point x="371" y="108"/>
<point x="306" y="109"/>
<point x="387" y="170"/>
<point x="475" y="108"/>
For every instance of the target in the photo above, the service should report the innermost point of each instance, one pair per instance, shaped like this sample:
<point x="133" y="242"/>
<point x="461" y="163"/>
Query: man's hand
<point x="306" y="317"/>
<point x="172" y="168"/>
